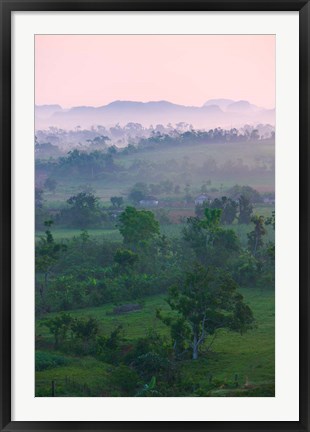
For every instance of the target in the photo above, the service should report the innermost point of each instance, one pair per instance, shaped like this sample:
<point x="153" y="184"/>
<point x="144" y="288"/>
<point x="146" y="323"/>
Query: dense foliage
<point x="116" y="232"/>
<point x="200" y="273"/>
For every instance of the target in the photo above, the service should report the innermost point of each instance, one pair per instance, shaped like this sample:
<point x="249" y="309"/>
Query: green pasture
<point x="234" y="364"/>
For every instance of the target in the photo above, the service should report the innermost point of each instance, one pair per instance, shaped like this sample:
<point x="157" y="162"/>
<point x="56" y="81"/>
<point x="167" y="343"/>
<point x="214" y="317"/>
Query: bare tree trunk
<point x="195" y="347"/>
<point x="198" y="338"/>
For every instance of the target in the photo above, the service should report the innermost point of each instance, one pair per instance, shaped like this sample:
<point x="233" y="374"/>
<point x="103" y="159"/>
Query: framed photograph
<point x="154" y="215"/>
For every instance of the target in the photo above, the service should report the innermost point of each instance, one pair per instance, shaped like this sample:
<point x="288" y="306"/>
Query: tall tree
<point x="212" y="244"/>
<point x="137" y="225"/>
<point x="59" y="328"/>
<point x="116" y="201"/>
<point x="245" y="210"/>
<point x="138" y="192"/>
<point x="206" y="300"/>
<point x="255" y="237"/>
<point x="229" y="209"/>
<point x="47" y="255"/>
<point x="84" y="211"/>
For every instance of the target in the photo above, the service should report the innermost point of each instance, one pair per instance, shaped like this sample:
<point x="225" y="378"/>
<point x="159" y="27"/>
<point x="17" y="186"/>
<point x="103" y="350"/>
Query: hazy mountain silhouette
<point x="221" y="103"/>
<point x="46" y="111"/>
<point x="214" y="113"/>
<point x="243" y="107"/>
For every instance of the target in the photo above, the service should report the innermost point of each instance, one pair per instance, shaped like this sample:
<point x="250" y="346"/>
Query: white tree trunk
<point x="195" y="347"/>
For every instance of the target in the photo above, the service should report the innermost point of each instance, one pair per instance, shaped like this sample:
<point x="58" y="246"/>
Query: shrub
<point x="46" y="360"/>
<point x="125" y="379"/>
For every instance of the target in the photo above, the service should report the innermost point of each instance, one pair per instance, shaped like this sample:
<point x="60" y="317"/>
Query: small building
<point x="201" y="199"/>
<point x="149" y="201"/>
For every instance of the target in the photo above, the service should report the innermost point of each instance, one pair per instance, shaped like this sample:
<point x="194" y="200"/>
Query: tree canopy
<point x="137" y="225"/>
<point x="83" y="211"/>
<point x="206" y="300"/>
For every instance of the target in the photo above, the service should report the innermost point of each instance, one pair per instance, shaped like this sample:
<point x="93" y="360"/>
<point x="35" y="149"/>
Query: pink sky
<point x="189" y="70"/>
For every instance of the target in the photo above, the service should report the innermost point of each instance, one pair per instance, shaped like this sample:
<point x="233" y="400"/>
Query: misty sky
<point x="98" y="69"/>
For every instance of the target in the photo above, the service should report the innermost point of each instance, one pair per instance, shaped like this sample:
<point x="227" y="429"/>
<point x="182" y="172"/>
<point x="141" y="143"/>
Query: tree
<point x="227" y="206"/>
<point x="138" y="192"/>
<point x="83" y="200"/>
<point x="245" y="210"/>
<point x="263" y="254"/>
<point x="112" y="150"/>
<point x="84" y="211"/>
<point x="207" y="300"/>
<point x="255" y="237"/>
<point x="271" y="220"/>
<point x="59" y="328"/>
<point x="41" y="214"/>
<point x="85" y="329"/>
<point x="125" y="258"/>
<point x="46" y="256"/>
<point x="229" y="209"/>
<point x="211" y="221"/>
<point x="247" y="191"/>
<point x="137" y="225"/>
<point x="117" y="202"/>
<point x="254" y="135"/>
<point x="212" y="244"/>
<point x="99" y="142"/>
<point x="125" y="379"/>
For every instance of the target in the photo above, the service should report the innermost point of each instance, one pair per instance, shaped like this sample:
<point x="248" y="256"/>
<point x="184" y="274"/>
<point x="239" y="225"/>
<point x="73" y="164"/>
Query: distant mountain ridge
<point x="214" y="113"/>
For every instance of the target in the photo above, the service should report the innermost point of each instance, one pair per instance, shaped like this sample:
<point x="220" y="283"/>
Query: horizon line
<point x="151" y="101"/>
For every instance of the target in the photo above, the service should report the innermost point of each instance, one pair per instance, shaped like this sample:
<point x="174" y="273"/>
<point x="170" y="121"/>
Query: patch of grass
<point x="84" y="377"/>
<point x="135" y="324"/>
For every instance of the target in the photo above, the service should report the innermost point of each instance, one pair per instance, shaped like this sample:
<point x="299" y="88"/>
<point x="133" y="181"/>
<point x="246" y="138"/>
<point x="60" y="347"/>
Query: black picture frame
<point x="7" y="7"/>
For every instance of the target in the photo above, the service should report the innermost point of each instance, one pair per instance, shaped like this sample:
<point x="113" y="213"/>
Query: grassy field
<point x="246" y="360"/>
